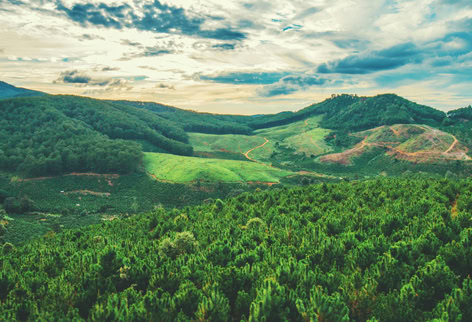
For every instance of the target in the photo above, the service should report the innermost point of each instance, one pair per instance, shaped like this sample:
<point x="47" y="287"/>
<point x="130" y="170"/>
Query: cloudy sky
<point x="240" y="57"/>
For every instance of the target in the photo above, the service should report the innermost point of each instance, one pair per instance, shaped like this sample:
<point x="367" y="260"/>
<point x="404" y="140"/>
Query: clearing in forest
<point x="410" y="142"/>
<point x="176" y="168"/>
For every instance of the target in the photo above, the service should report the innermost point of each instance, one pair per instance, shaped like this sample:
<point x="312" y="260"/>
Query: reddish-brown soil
<point x="107" y="176"/>
<point x="455" y="151"/>
<point x="257" y="147"/>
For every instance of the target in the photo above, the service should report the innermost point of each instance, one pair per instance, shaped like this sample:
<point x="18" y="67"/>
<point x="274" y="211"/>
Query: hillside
<point x="174" y="168"/>
<point x="56" y="134"/>
<point x="10" y="91"/>
<point x="351" y="112"/>
<point x="324" y="138"/>
<point x="380" y="250"/>
<point x="192" y="121"/>
<point x="415" y="143"/>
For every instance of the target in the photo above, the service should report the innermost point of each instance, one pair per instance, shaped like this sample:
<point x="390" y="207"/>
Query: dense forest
<point x="9" y="91"/>
<point x="380" y="250"/>
<point x="386" y="109"/>
<point x="50" y="135"/>
<point x="197" y="122"/>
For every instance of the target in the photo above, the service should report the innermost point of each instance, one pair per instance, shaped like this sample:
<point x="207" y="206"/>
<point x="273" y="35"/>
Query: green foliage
<point x="214" y="307"/>
<point x="322" y="307"/>
<point x="3" y="195"/>
<point x="183" y="243"/>
<point x="194" y="121"/>
<point x="3" y="230"/>
<point x="101" y="198"/>
<point x="387" y="109"/>
<point x="7" y="248"/>
<point x="18" y="205"/>
<point x="187" y="169"/>
<point x="51" y="135"/>
<point x="379" y="250"/>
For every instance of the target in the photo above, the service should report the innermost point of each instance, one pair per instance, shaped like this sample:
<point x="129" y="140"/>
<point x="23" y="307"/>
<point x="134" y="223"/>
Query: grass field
<point x="303" y="137"/>
<point x="230" y="143"/>
<point x="186" y="169"/>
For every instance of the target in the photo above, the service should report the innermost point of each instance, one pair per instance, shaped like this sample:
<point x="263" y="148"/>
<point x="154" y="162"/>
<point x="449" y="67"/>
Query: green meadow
<point x="231" y="143"/>
<point x="175" y="168"/>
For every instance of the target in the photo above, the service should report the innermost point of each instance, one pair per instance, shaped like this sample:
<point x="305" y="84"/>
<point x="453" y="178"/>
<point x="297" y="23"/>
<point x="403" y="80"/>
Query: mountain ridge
<point x="10" y="91"/>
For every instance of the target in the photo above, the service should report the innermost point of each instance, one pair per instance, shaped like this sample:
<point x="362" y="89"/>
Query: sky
<point x="240" y="57"/>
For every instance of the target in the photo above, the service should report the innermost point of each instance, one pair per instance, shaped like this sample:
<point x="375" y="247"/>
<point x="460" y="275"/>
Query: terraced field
<point x="168" y="167"/>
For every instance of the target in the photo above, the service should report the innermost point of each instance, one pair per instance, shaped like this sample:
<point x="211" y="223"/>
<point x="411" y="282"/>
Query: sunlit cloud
<point x="241" y="57"/>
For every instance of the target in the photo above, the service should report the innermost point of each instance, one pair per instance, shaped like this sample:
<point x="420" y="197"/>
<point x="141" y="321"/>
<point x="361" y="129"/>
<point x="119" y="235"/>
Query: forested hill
<point x="54" y="134"/>
<point x="353" y="113"/>
<point x="195" y="121"/>
<point x="8" y="91"/>
<point x="382" y="250"/>
<point x="341" y="112"/>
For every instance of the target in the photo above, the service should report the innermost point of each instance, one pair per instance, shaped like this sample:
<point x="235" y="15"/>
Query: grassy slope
<point x="303" y="137"/>
<point x="185" y="169"/>
<point x="233" y="143"/>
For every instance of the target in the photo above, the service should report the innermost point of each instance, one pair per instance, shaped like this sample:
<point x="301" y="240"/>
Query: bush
<point x="3" y="195"/>
<point x="183" y="243"/>
<point x="21" y="205"/>
<point x="8" y="248"/>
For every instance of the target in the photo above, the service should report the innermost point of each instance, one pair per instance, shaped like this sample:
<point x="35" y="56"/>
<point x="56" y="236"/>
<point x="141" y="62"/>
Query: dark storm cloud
<point x="80" y="78"/>
<point x="73" y="77"/>
<point x="155" y="17"/>
<point x="373" y="61"/>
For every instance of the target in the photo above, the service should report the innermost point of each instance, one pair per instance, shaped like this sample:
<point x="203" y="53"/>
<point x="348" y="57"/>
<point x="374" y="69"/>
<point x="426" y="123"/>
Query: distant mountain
<point x="9" y="91"/>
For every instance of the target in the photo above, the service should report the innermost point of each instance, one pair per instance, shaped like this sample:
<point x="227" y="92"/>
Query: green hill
<point x="351" y="112"/>
<point x="10" y="91"/>
<point x="187" y="169"/>
<point x="381" y="250"/>
<point x="55" y="134"/>
<point x="192" y="121"/>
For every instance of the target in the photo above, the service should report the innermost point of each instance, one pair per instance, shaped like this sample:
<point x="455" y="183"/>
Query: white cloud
<point x="40" y="43"/>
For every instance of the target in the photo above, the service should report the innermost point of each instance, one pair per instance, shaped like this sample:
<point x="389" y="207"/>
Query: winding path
<point x="257" y="147"/>
<point x="453" y="145"/>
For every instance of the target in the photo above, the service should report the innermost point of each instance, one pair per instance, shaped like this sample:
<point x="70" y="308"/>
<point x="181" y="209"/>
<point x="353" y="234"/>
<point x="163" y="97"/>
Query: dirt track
<point x="257" y="147"/>
<point x="393" y="150"/>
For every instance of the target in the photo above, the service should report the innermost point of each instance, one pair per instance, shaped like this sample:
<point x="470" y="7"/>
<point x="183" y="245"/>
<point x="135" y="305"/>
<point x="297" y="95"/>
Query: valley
<point x="143" y="190"/>
<point x="236" y="161"/>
